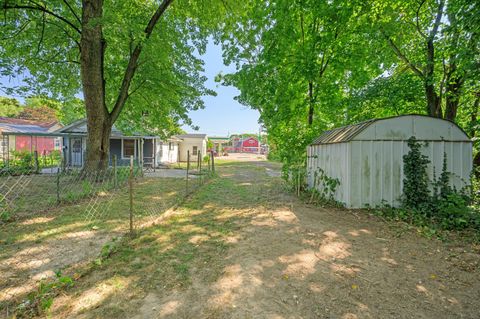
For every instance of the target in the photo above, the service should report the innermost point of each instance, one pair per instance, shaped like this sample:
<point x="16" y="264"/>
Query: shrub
<point x="415" y="183"/>
<point x="434" y="202"/>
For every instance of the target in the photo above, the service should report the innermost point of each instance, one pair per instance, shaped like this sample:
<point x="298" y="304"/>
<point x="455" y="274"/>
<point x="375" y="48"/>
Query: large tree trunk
<point x="92" y="58"/>
<point x="434" y="107"/>
<point x="434" y="104"/>
<point x="310" y="103"/>
<point x="452" y="93"/>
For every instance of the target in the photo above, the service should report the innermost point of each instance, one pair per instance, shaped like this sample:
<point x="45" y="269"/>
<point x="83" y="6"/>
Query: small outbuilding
<point x="367" y="158"/>
<point x="196" y="144"/>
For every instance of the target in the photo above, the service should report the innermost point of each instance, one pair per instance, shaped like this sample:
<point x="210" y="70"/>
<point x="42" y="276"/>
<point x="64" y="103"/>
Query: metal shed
<point x="367" y="158"/>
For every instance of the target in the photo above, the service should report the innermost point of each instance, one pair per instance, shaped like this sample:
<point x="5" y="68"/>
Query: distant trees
<point x="43" y="109"/>
<point x="9" y="107"/>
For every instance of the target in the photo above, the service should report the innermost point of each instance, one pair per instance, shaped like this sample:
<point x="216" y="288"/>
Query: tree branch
<point x="402" y="56"/>
<point x="19" y="30"/>
<point x="42" y="34"/>
<point x="416" y="19"/>
<point x="132" y="63"/>
<point x="66" y="33"/>
<point x="438" y="19"/>
<point x="72" y="11"/>
<point x="40" y="8"/>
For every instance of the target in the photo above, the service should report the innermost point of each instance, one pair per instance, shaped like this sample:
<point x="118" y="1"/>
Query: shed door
<point x="77" y="151"/>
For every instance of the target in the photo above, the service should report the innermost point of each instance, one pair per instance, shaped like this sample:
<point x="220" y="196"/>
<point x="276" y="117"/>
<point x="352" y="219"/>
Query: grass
<point x="170" y="254"/>
<point x="163" y="255"/>
<point x="52" y="235"/>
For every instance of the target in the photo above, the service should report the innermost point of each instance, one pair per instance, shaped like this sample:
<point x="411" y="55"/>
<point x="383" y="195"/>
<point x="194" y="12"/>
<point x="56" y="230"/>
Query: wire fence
<point x="56" y="220"/>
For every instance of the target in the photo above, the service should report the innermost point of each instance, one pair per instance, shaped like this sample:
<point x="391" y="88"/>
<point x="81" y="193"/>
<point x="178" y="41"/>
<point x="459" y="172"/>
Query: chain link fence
<point x="55" y="220"/>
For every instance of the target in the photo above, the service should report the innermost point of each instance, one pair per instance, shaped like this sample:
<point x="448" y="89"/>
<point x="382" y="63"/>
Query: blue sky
<point x="222" y="114"/>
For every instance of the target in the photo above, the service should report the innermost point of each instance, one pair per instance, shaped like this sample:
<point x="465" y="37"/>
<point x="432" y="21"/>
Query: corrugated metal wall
<point x="371" y="171"/>
<point x="333" y="160"/>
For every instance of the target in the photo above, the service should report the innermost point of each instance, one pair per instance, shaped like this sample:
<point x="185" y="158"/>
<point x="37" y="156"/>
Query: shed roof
<point x="342" y="134"/>
<point x="349" y="132"/>
<point x="191" y="136"/>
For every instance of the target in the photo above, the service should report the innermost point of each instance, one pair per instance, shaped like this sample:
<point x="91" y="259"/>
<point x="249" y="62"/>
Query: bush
<point x="434" y="202"/>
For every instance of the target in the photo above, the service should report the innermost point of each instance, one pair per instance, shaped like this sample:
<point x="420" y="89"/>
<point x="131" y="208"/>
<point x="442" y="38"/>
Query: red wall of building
<point x="43" y="145"/>
<point x="250" y="142"/>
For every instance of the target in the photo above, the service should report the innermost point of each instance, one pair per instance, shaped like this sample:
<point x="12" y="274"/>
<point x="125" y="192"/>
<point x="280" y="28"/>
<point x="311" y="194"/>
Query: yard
<point x="243" y="247"/>
<point x="45" y="239"/>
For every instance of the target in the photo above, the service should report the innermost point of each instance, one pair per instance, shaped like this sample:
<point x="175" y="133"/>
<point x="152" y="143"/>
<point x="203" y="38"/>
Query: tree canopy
<point x="306" y="65"/>
<point x="310" y="65"/>
<point x="134" y="61"/>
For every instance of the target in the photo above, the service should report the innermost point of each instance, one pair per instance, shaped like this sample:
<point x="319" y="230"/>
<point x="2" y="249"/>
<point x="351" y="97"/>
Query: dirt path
<point x="272" y="256"/>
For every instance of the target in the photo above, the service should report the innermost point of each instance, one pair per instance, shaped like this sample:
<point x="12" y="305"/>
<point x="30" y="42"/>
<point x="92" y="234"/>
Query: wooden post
<point x="213" y="162"/>
<point x="114" y="164"/>
<point x="198" y="163"/>
<point x="188" y="167"/>
<point x="130" y="184"/>
<point x="209" y="170"/>
<point x="58" y="182"/>
<point x="200" y="166"/>
<point x="154" y="152"/>
<point x="36" y="165"/>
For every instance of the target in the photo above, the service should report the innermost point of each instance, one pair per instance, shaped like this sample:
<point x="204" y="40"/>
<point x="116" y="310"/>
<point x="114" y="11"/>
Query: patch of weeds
<point x="6" y="216"/>
<point x="107" y="250"/>
<point x="40" y="301"/>
<point x="182" y="271"/>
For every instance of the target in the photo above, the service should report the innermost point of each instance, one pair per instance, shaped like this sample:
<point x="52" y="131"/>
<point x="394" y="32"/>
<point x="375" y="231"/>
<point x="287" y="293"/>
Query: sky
<point x="222" y="115"/>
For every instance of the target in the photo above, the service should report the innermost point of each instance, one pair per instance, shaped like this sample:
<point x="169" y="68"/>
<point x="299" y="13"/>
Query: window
<point x="170" y="146"/>
<point x="58" y="143"/>
<point x="128" y="148"/>
<point x="195" y="150"/>
<point x="77" y="145"/>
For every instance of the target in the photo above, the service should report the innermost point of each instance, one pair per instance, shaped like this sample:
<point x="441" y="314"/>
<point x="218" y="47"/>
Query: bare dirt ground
<point x="246" y="248"/>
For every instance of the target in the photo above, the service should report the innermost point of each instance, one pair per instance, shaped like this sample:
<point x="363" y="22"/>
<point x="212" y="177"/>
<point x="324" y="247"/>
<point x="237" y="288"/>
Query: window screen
<point x="128" y="148"/>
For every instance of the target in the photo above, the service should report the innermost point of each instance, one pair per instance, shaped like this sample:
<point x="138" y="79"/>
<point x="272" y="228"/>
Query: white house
<point x="367" y="158"/>
<point x="195" y="143"/>
<point x="167" y="151"/>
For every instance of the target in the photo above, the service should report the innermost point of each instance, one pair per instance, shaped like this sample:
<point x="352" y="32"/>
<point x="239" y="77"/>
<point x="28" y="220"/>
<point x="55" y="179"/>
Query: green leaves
<point x="41" y="48"/>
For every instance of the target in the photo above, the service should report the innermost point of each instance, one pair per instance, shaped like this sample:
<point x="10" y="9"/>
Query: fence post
<point x="58" y="182"/>
<point x="114" y="164"/>
<point x="35" y="161"/>
<point x="200" y="166"/>
<point x="213" y="161"/>
<point x="188" y="167"/>
<point x="197" y="160"/>
<point x="130" y="190"/>
<point x="209" y="170"/>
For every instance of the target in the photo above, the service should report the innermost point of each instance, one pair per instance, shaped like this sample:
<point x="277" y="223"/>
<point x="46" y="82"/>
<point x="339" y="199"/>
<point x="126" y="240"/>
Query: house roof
<point x="80" y="127"/>
<point x="349" y="132"/>
<point x="191" y="136"/>
<point x="14" y="125"/>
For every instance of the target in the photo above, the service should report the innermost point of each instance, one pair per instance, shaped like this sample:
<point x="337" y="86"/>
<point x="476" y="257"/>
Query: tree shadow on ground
<point x="244" y="248"/>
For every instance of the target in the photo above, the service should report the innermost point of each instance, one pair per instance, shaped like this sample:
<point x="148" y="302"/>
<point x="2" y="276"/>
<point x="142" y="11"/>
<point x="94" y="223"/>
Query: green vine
<point x="324" y="187"/>
<point x="434" y="202"/>
<point x="415" y="183"/>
